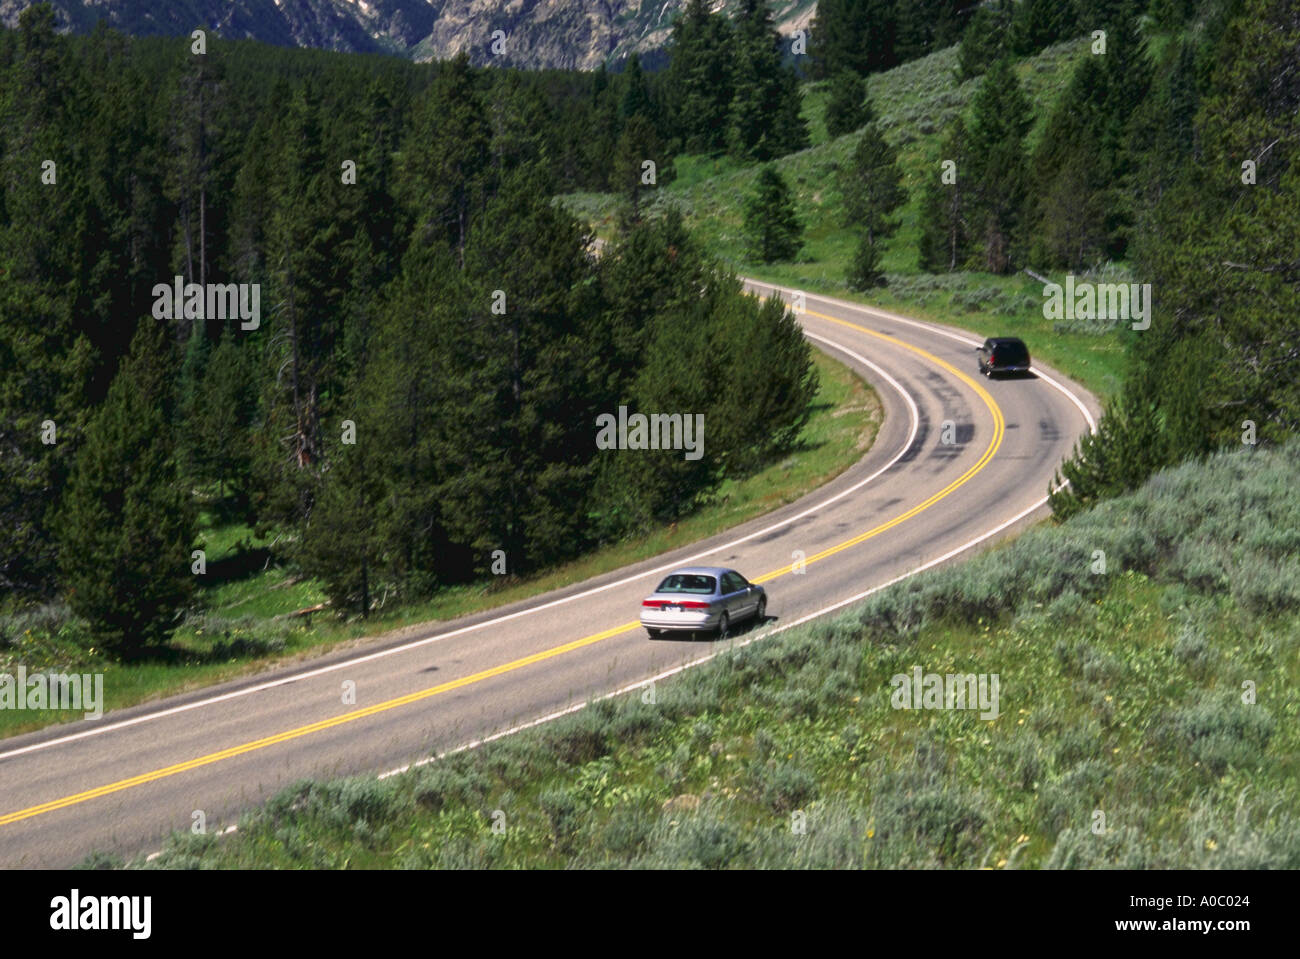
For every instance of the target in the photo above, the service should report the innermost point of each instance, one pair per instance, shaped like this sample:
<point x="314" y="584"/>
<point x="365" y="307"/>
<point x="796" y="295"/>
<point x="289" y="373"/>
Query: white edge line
<point x="938" y="331"/>
<point x="234" y="827"/>
<point x="261" y="687"/>
<point x="474" y="744"/>
<point x="730" y="648"/>
<point x="1092" y="426"/>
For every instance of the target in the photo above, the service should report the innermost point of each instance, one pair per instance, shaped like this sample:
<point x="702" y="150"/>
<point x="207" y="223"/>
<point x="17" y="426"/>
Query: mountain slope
<point x="564" y="34"/>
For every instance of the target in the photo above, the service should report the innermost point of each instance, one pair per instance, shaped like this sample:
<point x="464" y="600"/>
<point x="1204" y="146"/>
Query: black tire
<point x="760" y="611"/>
<point x="654" y="633"/>
<point x="724" y="626"/>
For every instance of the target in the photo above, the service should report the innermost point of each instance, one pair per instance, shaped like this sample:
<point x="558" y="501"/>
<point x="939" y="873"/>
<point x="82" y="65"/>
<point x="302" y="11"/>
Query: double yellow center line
<point x="999" y="427"/>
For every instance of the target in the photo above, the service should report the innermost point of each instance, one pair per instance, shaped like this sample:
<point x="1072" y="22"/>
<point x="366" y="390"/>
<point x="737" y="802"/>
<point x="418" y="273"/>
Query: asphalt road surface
<point x="121" y="783"/>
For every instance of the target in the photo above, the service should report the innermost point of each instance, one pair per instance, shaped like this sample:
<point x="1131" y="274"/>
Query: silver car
<point x="701" y="598"/>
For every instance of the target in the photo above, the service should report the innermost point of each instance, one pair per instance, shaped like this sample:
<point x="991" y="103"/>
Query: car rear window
<point x="1010" y="353"/>
<point x="688" y="583"/>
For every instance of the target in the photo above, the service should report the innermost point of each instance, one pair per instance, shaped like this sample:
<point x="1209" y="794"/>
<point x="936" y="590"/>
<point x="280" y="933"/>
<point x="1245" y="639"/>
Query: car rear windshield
<point x="1010" y="353"/>
<point x="687" y="583"/>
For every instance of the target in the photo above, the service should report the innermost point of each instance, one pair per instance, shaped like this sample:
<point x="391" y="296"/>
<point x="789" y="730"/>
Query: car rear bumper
<point x="682" y="621"/>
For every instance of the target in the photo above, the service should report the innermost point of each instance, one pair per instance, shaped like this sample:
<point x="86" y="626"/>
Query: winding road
<point x="121" y="783"/>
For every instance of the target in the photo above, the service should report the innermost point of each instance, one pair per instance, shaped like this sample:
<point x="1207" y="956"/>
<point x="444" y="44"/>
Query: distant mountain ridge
<point x="561" y="34"/>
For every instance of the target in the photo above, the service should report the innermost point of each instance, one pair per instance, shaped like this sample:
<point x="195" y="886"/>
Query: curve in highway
<point x="912" y="502"/>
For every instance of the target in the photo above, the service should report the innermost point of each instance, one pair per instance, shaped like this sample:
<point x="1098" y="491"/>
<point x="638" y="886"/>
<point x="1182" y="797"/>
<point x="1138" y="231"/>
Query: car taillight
<point x="652" y="603"/>
<point x="694" y="604"/>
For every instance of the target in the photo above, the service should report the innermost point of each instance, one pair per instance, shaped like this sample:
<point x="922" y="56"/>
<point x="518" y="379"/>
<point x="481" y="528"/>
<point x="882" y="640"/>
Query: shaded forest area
<point x="435" y="339"/>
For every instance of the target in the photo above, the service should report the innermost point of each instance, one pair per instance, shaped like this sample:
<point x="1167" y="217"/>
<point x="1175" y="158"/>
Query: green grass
<point x="914" y="103"/>
<point x="1121" y="694"/>
<point x="242" y="629"/>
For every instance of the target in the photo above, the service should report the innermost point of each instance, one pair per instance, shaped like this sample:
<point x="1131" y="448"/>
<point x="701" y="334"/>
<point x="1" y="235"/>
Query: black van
<point x="1003" y="354"/>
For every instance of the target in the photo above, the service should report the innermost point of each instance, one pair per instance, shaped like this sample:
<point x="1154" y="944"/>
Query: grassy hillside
<point x="1148" y="717"/>
<point x="914" y="103"/>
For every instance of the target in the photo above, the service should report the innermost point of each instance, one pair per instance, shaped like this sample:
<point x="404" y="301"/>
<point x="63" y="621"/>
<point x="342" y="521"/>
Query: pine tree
<point x="190" y="452"/>
<point x="772" y="228"/>
<point x="124" y="180"/>
<point x="253" y="201"/>
<point x="379" y="518"/>
<point x="47" y="299"/>
<point x="1124" y="451"/>
<point x="447" y="172"/>
<point x="1081" y="210"/>
<point x="1000" y="118"/>
<point x="518" y="120"/>
<point x="872" y="189"/>
<point x="751" y="375"/>
<point x="597" y="142"/>
<point x="1113" y="108"/>
<point x="1069" y="213"/>
<point x="764" y="398"/>
<point x="655" y="265"/>
<point x="195" y="118"/>
<point x="636" y="93"/>
<point x="928" y="25"/>
<point x="945" y="215"/>
<point x="1067" y="208"/>
<point x="222" y="417"/>
<point x="855" y="35"/>
<point x="765" y="118"/>
<point x="637" y="146"/>
<point x="342" y="541"/>
<point x="303" y="335"/>
<point x="864" y="272"/>
<point x="127" y="524"/>
<point x="790" y="129"/>
<point x="372" y="239"/>
<point x="527" y="375"/>
<point x="702" y="52"/>
<point x="1221" y="253"/>
<point x="1171" y="15"/>
<point x="872" y="185"/>
<point x="1103" y="14"/>
<point x="984" y="41"/>
<point x="638" y="489"/>
<point x="1164" y="135"/>
<point x="848" y="108"/>
<point x="1037" y="24"/>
